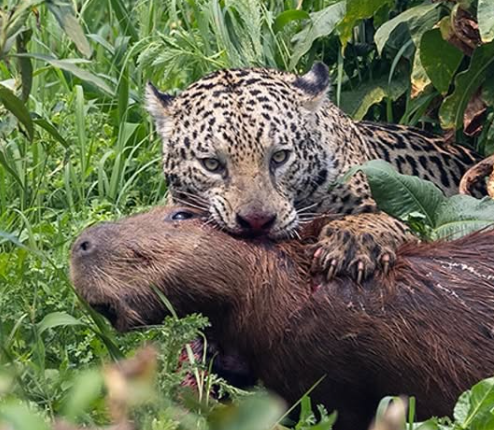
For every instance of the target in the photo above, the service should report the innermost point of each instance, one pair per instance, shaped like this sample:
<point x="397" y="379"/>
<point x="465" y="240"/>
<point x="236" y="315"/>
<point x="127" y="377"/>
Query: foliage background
<point x="76" y="146"/>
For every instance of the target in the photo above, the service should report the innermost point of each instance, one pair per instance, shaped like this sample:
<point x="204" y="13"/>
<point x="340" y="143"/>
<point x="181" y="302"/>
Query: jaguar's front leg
<point x="358" y="245"/>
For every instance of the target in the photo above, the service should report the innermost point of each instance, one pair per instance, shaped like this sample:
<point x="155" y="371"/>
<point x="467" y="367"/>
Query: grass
<point x="94" y="156"/>
<point x="101" y="162"/>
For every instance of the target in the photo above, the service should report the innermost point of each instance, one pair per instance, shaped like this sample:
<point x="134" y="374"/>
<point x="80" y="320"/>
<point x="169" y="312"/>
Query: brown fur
<point x="426" y="330"/>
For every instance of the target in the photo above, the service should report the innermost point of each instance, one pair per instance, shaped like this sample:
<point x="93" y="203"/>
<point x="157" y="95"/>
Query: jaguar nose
<point x="256" y="222"/>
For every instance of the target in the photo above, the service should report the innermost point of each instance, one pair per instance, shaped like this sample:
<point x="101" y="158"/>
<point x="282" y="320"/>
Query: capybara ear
<point x="315" y="85"/>
<point x="158" y="105"/>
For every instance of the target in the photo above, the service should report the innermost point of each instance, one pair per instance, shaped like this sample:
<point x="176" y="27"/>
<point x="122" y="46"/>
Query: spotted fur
<point x="241" y="117"/>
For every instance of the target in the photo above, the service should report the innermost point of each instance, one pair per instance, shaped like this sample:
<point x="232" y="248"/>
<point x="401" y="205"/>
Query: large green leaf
<point x="64" y="14"/>
<point x="358" y="101"/>
<point x="413" y="17"/>
<point x="417" y="27"/>
<point x="288" y="16"/>
<point x="70" y="67"/>
<point x="18" y="109"/>
<point x="57" y="319"/>
<point x="403" y="195"/>
<point x="357" y="10"/>
<point x="474" y="409"/>
<point x="466" y="83"/>
<point x="397" y="194"/>
<point x="322" y="23"/>
<point x="460" y="215"/>
<point x="439" y="58"/>
<point x="485" y="18"/>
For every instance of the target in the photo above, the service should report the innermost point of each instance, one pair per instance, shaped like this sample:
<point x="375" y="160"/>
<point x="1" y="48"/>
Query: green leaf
<point x="64" y="14"/>
<point x="485" y="18"/>
<point x="256" y="412"/>
<point x="462" y="407"/>
<point x="358" y="101"/>
<point x="402" y="196"/>
<point x="13" y="104"/>
<point x="57" y="319"/>
<point x="124" y="19"/>
<point x="6" y="165"/>
<point x="123" y="94"/>
<point x="466" y="83"/>
<point x="289" y="16"/>
<point x="70" y="67"/>
<point x="419" y="78"/>
<point x="12" y="22"/>
<point x="20" y="417"/>
<point x="460" y="215"/>
<point x="25" y="66"/>
<point x="357" y="10"/>
<point x="397" y="194"/>
<point x="85" y="390"/>
<point x="480" y="415"/>
<point x="413" y="17"/>
<point x="322" y="23"/>
<point x="440" y="59"/>
<point x="50" y="128"/>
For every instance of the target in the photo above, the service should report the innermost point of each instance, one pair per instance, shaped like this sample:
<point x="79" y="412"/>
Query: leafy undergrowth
<point x="129" y="395"/>
<point x="76" y="146"/>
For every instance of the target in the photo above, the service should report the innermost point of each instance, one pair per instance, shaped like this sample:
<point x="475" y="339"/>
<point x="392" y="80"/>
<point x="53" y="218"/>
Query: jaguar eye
<point x="280" y="157"/>
<point x="212" y="164"/>
<point x="182" y="215"/>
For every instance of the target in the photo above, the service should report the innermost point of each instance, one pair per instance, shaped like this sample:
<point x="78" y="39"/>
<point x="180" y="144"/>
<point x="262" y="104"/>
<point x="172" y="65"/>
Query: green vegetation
<point x="76" y="146"/>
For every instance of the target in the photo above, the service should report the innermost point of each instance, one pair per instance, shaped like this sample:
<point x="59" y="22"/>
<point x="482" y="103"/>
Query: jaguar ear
<point x="314" y="84"/>
<point x="158" y="105"/>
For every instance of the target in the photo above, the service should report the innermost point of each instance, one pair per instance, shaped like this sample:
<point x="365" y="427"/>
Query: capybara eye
<point x="182" y="215"/>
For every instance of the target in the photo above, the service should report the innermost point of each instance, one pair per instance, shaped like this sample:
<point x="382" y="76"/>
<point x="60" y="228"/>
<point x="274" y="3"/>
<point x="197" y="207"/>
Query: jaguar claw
<point x="385" y="263"/>
<point x="360" y="272"/>
<point x="332" y="269"/>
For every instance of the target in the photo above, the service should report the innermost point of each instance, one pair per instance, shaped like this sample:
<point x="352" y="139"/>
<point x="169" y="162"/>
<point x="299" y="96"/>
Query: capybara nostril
<point x="85" y="247"/>
<point x="256" y="221"/>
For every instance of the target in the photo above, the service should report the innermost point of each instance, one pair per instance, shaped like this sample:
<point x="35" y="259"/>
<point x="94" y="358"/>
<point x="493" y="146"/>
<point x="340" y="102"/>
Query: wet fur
<point x="426" y="330"/>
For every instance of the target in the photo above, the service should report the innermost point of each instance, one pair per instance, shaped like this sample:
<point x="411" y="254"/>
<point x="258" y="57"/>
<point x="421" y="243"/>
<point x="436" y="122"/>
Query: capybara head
<point x="425" y="330"/>
<point x="117" y="265"/>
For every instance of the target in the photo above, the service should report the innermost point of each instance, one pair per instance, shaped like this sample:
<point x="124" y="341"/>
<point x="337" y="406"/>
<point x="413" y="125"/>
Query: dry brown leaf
<point x="461" y="30"/>
<point x="473" y="117"/>
<point x="123" y="377"/>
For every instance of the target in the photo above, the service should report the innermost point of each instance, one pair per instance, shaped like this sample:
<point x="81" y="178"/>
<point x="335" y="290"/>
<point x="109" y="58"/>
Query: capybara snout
<point x="116" y="265"/>
<point x="93" y="243"/>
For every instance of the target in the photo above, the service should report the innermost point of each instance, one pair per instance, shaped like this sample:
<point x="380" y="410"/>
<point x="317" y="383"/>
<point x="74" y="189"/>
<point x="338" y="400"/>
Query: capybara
<point x="426" y="329"/>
